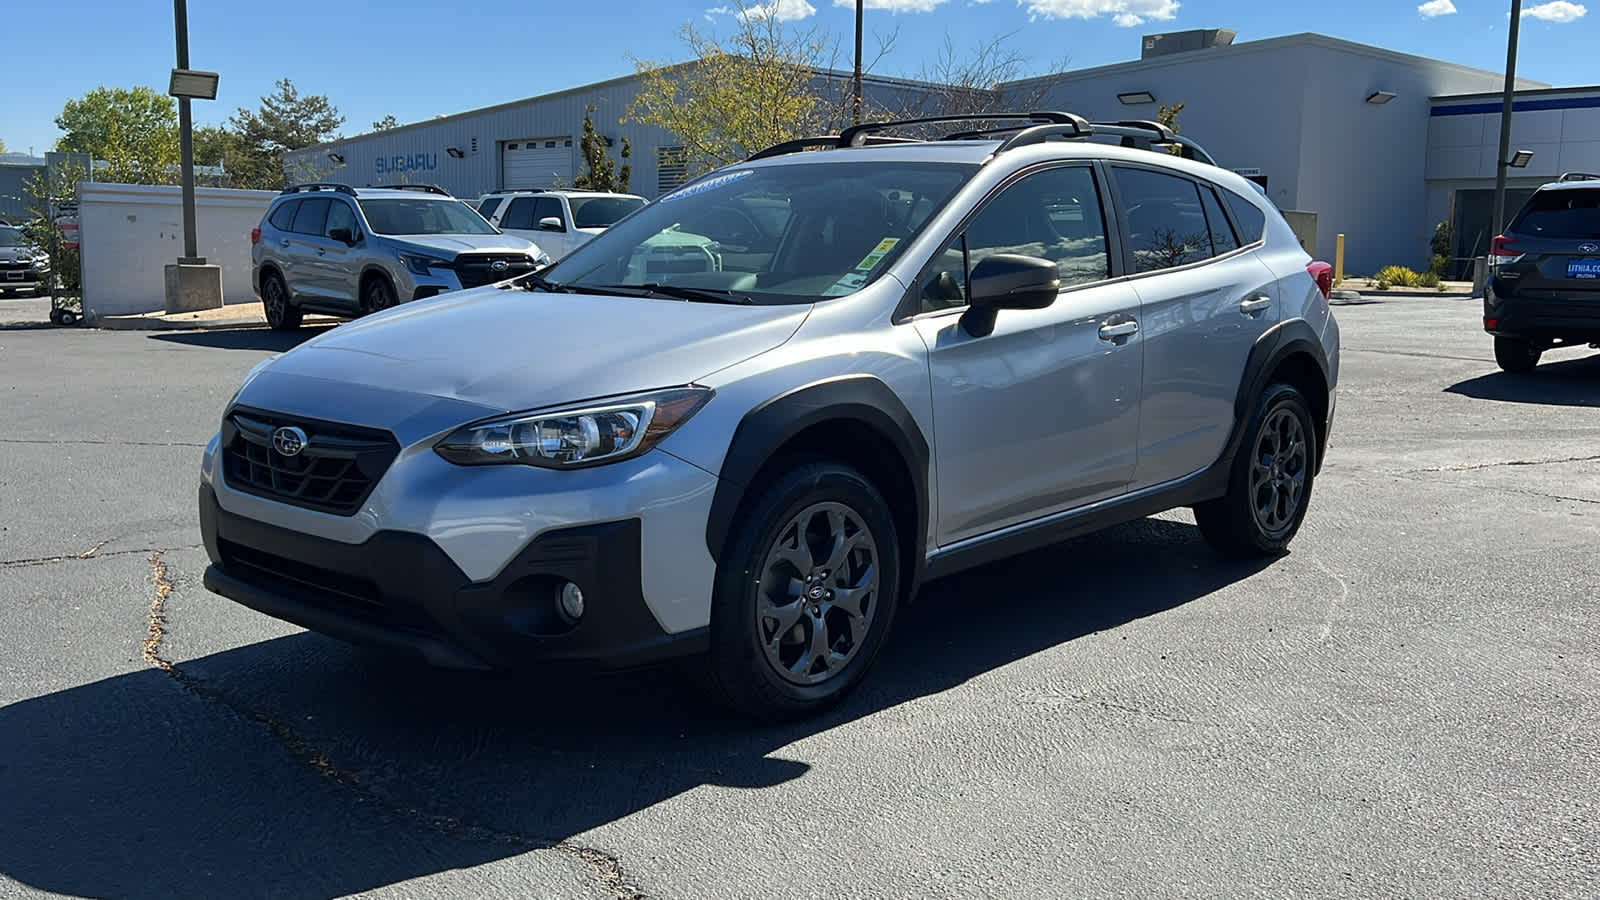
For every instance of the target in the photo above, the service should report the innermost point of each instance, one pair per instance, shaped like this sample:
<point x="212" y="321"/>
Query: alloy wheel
<point x="1278" y="472"/>
<point x="818" y="593"/>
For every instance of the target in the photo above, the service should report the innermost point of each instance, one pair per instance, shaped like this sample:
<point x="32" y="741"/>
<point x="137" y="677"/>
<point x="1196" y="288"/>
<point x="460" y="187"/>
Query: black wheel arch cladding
<point x="852" y="401"/>
<point x="1285" y="342"/>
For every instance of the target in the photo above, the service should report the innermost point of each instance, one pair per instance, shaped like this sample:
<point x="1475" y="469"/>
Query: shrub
<point x="1439" y="265"/>
<point x="1399" y="275"/>
<point x="1429" y="280"/>
<point x="1383" y="285"/>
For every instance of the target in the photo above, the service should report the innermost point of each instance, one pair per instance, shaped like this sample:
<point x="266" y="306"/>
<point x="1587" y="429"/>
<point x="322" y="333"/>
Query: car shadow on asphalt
<point x="1570" y="382"/>
<point x="242" y="338"/>
<point x="133" y="787"/>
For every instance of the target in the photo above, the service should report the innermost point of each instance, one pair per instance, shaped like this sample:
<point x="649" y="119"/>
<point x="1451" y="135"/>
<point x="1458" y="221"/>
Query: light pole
<point x="191" y="284"/>
<point x="855" y="89"/>
<point x="1501" y="160"/>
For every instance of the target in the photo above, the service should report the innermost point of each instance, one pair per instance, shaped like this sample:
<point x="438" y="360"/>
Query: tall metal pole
<point x="1505" y="120"/>
<point x="855" y="91"/>
<point x="180" y="16"/>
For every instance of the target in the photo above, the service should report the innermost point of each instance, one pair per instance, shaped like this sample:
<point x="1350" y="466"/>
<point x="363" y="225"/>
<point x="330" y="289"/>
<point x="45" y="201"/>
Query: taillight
<point x="255" y="236"/>
<point x="1501" y="253"/>
<point x="1322" y="273"/>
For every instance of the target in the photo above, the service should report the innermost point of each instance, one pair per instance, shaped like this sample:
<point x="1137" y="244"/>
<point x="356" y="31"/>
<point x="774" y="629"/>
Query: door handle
<point x="1254" y="305"/>
<point x="1119" y="330"/>
<point x="321" y="252"/>
<point x="284" y="243"/>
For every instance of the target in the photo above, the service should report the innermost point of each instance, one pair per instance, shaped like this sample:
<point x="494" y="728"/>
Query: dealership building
<point x="1375" y="145"/>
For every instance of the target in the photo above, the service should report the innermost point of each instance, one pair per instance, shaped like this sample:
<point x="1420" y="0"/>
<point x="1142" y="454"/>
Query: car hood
<point x="17" y="254"/>
<point x="451" y="244"/>
<point x="508" y="349"/>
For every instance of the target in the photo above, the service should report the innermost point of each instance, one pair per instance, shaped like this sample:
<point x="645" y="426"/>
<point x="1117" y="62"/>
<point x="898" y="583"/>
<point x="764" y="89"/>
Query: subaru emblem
<point x="1589" y="248"/>
<point x="499" y="265"/>
<point x="289" y="441"/>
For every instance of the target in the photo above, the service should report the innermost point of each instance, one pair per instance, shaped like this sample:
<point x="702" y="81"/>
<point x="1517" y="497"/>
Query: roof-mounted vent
<point x="1184" y="41"/>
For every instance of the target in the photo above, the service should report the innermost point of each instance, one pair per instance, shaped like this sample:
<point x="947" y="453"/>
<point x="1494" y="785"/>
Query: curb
<point x="140" y="323"/>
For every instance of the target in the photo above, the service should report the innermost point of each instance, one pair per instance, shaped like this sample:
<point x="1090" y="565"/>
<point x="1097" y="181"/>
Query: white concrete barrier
<point x="129" y="233"/>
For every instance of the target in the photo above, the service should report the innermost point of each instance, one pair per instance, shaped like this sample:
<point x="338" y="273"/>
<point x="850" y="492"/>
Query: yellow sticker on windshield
<point x="855" y="278"/>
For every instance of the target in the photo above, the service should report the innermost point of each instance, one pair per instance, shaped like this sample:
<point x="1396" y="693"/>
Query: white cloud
<point x="1126" y="13"/>
<point x="895" y="6"/>
<point x="1437" y="8"/>
<point x="782" y="10"/>
<point x="1557" y="11"/>
<point x="713" y="12"/>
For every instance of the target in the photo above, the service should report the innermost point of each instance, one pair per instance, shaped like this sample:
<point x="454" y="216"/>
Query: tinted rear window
<point x="601" y="212"/>
<point x="1560" y="214"/>
<point x="284" y="214"/>
<point x="1251" y="220"/>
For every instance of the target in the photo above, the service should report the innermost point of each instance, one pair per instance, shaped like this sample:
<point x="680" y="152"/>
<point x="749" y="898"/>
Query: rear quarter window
<point x="1251" y="221"/>
<point x="487" y="207"/>
<point x="284" y="214"/>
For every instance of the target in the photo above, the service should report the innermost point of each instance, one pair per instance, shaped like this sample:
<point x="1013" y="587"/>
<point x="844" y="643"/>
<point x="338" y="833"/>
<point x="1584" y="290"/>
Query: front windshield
<point x="774" y="234"/>
<point x="423" y="216"/>
<point x="11" y="237"/>
<point x="601" y="212"/>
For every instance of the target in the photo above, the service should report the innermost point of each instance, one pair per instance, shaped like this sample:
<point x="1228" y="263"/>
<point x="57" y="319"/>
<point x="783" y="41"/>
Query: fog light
<point x="572" y="601"/>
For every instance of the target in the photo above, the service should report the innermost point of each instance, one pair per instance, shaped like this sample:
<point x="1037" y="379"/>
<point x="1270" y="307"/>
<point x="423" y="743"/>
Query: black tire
<point x="1276" y="464"/>
<point x="282" y="314"/>
<point x="1516" y="355"/>
<point x="741" y="673"/>
<point x="55" y="317"/>
<point x="68" y="317"/>
<point x="377" y="295"/>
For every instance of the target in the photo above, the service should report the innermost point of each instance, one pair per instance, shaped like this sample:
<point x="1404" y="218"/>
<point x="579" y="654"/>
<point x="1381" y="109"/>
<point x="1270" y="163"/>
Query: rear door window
<point x="1222" y="237"/>
<point x="283" y="216"/>
<point x="312" y="218"/>
<point x="1166" y="222"/>
<point x="1561" y="215"/>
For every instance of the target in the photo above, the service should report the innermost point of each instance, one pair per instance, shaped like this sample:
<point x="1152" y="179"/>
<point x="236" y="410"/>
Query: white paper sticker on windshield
<point x="855" y="278"/>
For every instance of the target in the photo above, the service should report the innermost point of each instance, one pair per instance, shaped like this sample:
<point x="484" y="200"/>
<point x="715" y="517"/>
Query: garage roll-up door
<point x="536" y="163"/>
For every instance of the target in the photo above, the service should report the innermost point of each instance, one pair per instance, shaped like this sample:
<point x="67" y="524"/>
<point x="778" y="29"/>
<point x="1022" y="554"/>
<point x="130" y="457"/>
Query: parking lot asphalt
<point x="1404" y="705"/>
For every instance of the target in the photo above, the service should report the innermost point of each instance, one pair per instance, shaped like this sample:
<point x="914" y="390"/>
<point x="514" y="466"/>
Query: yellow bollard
<point x="1338" y="260"/>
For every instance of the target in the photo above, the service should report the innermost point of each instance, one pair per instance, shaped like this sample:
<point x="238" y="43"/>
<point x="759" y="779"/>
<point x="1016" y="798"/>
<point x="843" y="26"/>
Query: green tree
<point x="2" y="146"/>
<point x="601" y="173"/>
<point x="738" y="95"/>
<point x="133" y="130"/>
<point x="1168" y="116"/>
<point x="386" y="123"/>
<point x="285" y="121"/>
<point x="45" y="193"/>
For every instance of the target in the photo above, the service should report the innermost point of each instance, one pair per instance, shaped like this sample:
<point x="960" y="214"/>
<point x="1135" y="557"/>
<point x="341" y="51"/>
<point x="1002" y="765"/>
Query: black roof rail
<point x="849" y="136"/>
<point x="823" y="141"/>
<point x="320" y="186"/>
<point x="1578" y="176"/>
<point x="425" y="188"/>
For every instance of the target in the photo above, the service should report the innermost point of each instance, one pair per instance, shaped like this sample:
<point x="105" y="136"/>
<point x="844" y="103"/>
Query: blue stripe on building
<point x="1475" y="109"/>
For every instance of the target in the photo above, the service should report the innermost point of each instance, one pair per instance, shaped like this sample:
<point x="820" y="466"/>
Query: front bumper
<point x="401" y="591"/>
<point x="1570" y="319"/>
<point x="18" y="277"/>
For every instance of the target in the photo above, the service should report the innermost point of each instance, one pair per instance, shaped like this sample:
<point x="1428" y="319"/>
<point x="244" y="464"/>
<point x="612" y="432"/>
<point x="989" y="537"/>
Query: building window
<point x="672" y="168"/>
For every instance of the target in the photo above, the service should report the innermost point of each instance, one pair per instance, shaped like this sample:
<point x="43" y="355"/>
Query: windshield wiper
<point x="680" y="292"/>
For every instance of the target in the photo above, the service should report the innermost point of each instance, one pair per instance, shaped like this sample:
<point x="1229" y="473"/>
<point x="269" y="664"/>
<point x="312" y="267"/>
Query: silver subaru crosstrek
<point x="953" y="351"/>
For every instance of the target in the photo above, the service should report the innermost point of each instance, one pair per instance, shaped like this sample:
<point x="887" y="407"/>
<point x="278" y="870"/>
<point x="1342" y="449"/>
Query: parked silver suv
<point x="344" y="251"/>
<point x="957" y="350"/>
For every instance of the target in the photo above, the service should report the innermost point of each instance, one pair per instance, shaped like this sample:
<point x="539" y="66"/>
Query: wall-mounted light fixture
<point x="1520" y="159"/>
<point x="336" y="157"/>
<point x="455" y="152"/>
<point x="1379" y="98"/>
<point x="1136" y="98"/>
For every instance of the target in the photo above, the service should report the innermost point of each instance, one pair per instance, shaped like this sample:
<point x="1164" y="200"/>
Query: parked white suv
<point x="558" y="221"/>
<point x="955" y="351"/>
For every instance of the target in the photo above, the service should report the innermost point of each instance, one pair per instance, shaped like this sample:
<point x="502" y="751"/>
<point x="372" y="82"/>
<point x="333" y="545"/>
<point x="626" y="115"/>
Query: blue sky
<point x="421" y="58"/>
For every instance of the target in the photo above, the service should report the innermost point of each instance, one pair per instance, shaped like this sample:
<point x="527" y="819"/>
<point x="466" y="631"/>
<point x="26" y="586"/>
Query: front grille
<point x="334" y="473"/>
<point x="477" y="269"/>
<point x="21" y="265"/>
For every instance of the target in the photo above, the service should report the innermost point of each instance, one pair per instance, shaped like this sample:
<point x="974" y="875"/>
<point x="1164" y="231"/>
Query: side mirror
<point x="551" y="223"/>
<point x="1008" y="281"/>
<point x="343" y="235"/>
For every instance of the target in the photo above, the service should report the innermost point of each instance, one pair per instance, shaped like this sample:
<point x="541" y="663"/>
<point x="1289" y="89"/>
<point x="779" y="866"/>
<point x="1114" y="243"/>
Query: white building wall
<point x="129" y="233"/>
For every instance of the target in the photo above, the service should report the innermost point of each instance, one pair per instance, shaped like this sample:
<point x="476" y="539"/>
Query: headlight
<point x="419" y="265"/>
<point x="575" y="437"/>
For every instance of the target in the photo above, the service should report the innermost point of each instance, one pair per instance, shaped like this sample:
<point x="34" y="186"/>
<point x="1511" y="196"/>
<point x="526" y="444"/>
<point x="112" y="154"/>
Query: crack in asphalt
<point x="604" y="867"/>
<point x="1472" y="467"/>
<point x="62" y="441"/>
<point x="1473" y="359"/>
<point x="1344" y="595"/>
<point x="91" y="553"/>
